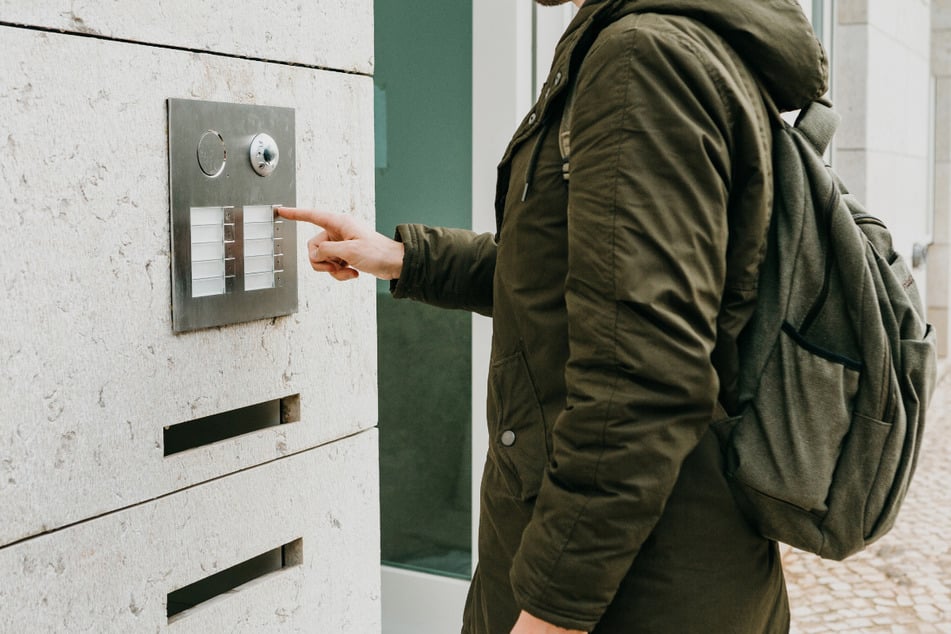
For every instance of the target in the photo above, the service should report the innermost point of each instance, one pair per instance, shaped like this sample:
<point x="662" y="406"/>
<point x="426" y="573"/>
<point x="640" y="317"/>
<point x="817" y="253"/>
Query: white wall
<point x="881" y="70"/>
<point x="97" y="524"/>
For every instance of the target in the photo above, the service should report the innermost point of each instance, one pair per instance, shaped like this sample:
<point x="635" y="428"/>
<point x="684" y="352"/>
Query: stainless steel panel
<point x="211" y="182"/>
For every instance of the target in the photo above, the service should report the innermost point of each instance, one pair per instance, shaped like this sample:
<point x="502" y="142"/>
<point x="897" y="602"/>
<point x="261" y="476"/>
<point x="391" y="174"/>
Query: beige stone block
<point x="881" y="87"/>
<point x="939" y="261"/>
<point x="323" y="33"/>
<point x="850" y="85"/>
<point x="940" y="14"/>
<point x="115" y="573"/>
<point x="938" y="317"/>
<point x="898" y="92"/>
<point x="942" y="119"/>
<point x="852" y="11"/>
<point x="941" y="230"/>
<point x="908" y="23"/>
<point x="941" y="53"/>
<point x="90" y="370"/>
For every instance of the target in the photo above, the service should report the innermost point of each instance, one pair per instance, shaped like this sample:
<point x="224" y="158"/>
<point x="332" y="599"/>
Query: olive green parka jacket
<point x="617" y="298"/>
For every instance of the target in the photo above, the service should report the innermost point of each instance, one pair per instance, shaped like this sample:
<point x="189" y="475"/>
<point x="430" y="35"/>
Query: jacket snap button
<point x="508" y="437"/>
<point x="531" y="119"/>
<point x="557" y="78"/>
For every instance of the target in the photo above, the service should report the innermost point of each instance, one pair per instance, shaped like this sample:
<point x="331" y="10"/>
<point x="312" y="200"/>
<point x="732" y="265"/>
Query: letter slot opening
<point x="218" y="427"/>
<point x="231" y="579"/>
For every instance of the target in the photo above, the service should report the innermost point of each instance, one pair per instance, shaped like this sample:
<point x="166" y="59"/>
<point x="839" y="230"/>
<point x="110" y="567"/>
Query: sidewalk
<point x="902" y="583"/>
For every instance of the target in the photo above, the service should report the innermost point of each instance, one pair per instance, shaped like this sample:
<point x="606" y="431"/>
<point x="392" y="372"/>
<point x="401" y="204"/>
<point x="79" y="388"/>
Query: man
<point x="617" y="298"/>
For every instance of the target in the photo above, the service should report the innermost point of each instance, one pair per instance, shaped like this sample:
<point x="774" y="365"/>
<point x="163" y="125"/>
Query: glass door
<point x="423" y="130"/>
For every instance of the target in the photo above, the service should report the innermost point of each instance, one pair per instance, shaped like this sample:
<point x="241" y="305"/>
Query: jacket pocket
<point x="517" y="436"/>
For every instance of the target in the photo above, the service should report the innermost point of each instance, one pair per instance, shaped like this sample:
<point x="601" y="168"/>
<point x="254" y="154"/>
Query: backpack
<point x="837" y="364"/>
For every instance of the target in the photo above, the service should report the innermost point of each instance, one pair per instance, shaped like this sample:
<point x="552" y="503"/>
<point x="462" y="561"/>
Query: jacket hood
<point x="773" y="37"/>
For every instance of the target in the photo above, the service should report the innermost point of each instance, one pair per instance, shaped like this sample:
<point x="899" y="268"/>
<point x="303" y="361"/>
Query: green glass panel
<point x="423" y="66"/>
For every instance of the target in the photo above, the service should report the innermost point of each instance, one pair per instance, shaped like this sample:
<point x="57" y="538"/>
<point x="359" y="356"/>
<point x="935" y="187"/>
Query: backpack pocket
<point x="517" y="436"/>
<point x="878" y="458"/>
<point x="819" y="386"/>
<point x="900" y="453"/>
<point x="864" y="461"/>
<point x="782" y="469"/>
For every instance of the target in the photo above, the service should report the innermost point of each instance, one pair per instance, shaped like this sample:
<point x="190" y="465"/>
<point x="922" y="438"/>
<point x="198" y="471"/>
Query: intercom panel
<point x="233" y="258"/>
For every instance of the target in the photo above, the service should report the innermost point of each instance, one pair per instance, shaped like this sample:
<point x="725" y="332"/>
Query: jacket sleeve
<point x="647" y="236"/>
<point x="448" y="268"/>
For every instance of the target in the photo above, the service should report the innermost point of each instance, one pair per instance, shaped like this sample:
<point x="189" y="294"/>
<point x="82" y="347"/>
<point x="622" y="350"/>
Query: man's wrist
<point x="396" y="261"/>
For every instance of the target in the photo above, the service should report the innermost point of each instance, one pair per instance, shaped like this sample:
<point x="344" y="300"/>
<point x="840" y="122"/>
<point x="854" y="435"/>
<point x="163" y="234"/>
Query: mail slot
<point x="233" y="258"/>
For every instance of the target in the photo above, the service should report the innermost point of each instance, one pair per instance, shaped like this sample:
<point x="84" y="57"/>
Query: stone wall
<point x="881" y="85"/>
<point x="98" y="525"/>
<point x="939" y="255"/>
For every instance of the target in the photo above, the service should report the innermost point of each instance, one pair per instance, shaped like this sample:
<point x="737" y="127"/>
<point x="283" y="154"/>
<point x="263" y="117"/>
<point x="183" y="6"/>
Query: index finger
<point x="313" y="216"/>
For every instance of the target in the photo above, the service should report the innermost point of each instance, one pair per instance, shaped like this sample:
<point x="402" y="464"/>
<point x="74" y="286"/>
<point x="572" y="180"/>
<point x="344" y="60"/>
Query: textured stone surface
<point x="941" y="14"/>
<point x="329" y="33"/>
<point x="898" y="95"/>
<point x="113" y="573"/>
<point x="939" y="253"/>
<point x="851" y="11"/>
<point x="882" y="148"/>
<point x="941" y="52"/>
<point x="850" y="78"/>
<point x="90" y="370"/>
<point x="905" y="21"/>
<point x="902" y="583"/>
<point x="870" y="69"/>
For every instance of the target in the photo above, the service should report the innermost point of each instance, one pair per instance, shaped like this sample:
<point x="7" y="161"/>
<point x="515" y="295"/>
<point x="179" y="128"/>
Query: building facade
<point x="251" y="475"/>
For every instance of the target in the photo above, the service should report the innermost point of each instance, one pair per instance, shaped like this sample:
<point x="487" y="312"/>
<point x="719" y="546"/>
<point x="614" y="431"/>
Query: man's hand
<point x="346" y="246"/>
<point x="528" y="624"/>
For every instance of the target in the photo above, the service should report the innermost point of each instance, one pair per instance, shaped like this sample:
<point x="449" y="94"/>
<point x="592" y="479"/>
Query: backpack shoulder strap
<point x="818" y="122"/>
